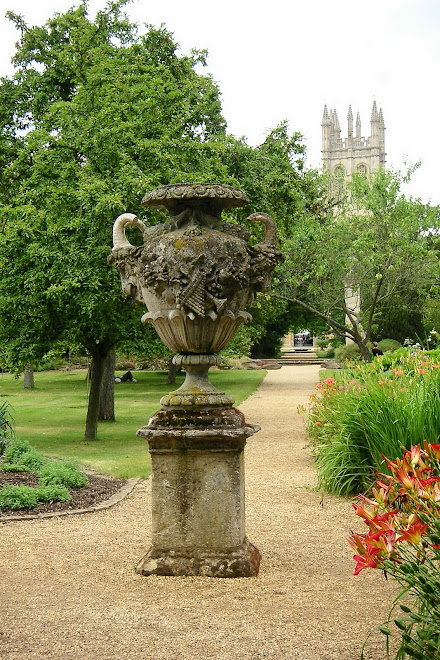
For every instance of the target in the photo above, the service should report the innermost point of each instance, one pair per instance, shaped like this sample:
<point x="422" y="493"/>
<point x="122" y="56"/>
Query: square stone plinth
<point x="198" y="514"/>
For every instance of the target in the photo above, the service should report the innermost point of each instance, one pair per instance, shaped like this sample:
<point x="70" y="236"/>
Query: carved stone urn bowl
<point x="195" y="273"/>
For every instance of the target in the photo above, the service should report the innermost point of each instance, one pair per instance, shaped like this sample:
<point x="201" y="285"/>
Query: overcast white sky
<point x="284" y="59"/>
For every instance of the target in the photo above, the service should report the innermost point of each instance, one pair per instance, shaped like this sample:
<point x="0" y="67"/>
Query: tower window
<point x="339" y="172"/>
<point x="362" y="170"/>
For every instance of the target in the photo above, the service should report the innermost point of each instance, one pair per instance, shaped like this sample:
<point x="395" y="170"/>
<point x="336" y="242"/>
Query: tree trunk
<point x="99" y="355"/>
<point x="28" y="377"/>
<point x="107" y="400"/>
<point x="173" y="370"/>
<point x="361" y="342"/>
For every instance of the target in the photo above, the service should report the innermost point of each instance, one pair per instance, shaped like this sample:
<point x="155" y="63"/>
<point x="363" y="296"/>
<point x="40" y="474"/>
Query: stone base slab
<point x="243" y="561"/>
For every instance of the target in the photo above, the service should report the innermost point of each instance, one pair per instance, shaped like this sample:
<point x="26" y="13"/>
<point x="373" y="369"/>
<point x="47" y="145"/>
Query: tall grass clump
<point x="373" y="410"/>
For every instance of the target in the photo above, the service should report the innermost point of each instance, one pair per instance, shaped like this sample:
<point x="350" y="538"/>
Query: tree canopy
<point x="374" y="246"/>
<point x="96" y="114"/>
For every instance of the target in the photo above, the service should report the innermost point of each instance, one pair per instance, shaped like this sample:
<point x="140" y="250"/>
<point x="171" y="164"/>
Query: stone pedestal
<point x="198" y="513"/>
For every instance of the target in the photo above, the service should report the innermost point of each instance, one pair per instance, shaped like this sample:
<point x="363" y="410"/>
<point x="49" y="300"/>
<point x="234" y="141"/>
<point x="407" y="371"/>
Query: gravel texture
<point x="68" y="590"/>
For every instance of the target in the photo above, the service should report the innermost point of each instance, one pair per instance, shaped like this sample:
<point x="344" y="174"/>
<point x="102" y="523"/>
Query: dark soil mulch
<point x="98" y="490"/>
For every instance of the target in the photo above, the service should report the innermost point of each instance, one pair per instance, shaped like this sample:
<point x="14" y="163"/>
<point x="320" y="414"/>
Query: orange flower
<point x="433" y="449"/>
<point x="413" y="534"/>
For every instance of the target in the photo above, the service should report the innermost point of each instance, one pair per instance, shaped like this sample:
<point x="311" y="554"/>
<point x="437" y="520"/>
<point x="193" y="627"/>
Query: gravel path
<point x="68" y="590"/>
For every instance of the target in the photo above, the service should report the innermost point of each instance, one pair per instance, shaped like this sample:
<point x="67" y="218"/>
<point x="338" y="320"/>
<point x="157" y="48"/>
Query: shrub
<point x="22" y="454"/>
<point x="329" y="353"/>
<point x="32" y="459"/>
<point x="347" y="352"/>
<point x="13" y="467"/>
<point x="63" y="473"/>
<point x="403" y="540"/>
<point x="369" y="412"/>
<point x="14" y="498"/>
<point x="389" y="345"/>
<point x="16" y="449"/>
<point x="53" y="493"/>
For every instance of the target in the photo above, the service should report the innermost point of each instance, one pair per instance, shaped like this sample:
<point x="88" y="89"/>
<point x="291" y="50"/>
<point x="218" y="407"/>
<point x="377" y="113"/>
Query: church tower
<point x="355" y="153"/>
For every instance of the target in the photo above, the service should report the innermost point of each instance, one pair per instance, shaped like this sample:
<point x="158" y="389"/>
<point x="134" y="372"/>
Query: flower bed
<point x="403" y="540"/>
<point x="371" y="410"/>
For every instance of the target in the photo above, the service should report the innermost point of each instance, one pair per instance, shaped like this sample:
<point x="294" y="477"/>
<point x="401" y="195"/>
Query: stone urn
<point x="196" y="274"/>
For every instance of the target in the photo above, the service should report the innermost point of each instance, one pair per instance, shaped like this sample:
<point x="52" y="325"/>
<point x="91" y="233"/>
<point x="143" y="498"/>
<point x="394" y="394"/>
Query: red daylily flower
<point x="433" y="449"/>
<point x="368" y="560"/>
<point x="385" y="540"/>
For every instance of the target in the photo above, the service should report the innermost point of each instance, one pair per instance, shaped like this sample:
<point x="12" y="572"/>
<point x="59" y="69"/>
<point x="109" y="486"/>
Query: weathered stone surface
<point x="243" y="561"/>
<point x="196" y="274"/>
<point x="198" y="494"/>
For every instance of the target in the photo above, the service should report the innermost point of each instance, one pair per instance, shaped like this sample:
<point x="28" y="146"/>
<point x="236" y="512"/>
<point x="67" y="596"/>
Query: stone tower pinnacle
<point x="354" y="153"/>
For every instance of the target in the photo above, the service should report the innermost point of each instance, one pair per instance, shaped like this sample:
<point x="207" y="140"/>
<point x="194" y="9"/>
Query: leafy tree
<point x="275" y="178"/>
<point x="93" y="116"/>
<point x="374" y="244"/>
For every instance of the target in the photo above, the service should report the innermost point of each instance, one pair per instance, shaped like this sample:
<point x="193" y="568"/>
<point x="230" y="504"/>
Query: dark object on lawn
<point x="127" y="376"/>
<point x="376" y="350"/>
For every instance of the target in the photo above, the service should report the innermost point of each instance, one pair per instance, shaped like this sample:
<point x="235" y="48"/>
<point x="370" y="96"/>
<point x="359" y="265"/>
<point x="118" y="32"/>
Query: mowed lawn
<point x="52" y="415"/>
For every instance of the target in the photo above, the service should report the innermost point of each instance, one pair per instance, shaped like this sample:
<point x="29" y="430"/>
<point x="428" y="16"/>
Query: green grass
<point x="52" y="415"/>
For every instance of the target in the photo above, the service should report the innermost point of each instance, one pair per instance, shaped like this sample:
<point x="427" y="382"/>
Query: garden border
<point x="107" y="504"/>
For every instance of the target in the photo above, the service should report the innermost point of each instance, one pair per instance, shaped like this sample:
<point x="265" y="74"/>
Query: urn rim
<point x="168" y="197"/>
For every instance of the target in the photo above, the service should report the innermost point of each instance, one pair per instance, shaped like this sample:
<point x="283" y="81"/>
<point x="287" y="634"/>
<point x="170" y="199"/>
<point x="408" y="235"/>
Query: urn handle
<point x="270" y="233"/>
<point x="125" y="220"/>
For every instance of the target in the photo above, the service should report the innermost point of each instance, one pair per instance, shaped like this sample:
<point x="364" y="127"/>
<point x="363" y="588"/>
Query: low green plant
<point x="63" y="474"/>
<point x="16" y="449"/>
<point x="14" y="498"/>
<point x="13" y="467"/>
<point x="403" y="540"/>
<point x="53" y="493"/>
<point x="32" y="459"/>
<point x="55" y="478"/>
